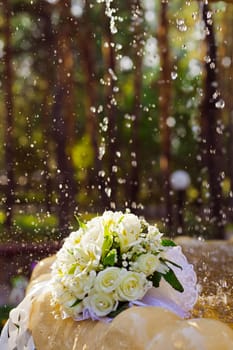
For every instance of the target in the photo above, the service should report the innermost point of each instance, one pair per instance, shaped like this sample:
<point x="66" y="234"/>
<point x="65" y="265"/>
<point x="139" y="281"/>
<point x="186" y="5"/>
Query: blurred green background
<point x="98" y="117"/>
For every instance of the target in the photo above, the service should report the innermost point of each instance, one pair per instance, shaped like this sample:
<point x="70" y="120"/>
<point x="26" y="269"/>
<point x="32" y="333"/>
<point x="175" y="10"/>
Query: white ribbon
<point x="15" y="334"/>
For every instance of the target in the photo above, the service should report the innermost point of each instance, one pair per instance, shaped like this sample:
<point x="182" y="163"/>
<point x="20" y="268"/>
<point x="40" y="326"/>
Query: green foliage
<point x="4" y="313"/>
<point x="83" y="156"/>
<point x="171" y="278"/>
<point x="110" y="259"/>
<point x="2" y="217"/>
<point x="81" y="224"/>
<point x="78" y="301"/>
<point x="168" y="243"/>
<point x="107" y="244"/>
<point x="35" y="227"/>
<point x="156" y="278"/>
<point x="37" y="70"/>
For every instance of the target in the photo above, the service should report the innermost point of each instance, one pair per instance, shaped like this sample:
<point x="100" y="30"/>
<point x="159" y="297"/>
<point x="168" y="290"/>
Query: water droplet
<point x="207" y="59"/>
<point x="220" y="104"/>
<point x="114" y="169"/>
<point x="212" y="65"/>
<point x="219" y="130"/>
<point x="171" y="122"/>
<point x="112" y="73"/>
<point x="121" y="181"/>
<point x="126" y="63"/>
<point x="101" y="151"/>
<point x="108" y="191"/>
<point x="181" y="25"/>
<point x="100" y="109"/>
<point x="226" y="61"/>
<point x="92" y="109"/>
<point x="174" y="75"/>
<point x="101" y="173"/>
<point x="216" y="94"/>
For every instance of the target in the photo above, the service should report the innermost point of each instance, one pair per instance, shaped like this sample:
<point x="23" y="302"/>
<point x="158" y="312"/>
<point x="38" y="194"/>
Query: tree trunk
<point x="230" y="163"/>
<point x="111" y="111"/>
<point x="64" y="120"/>
<point x="209" y="116"/>
<point x="8" y="82"/>
<point x="46" y="119"/>
<point x="226" y="87"/>
<point x="87" y="48"/>
<point x="165" y="100"/>
<point x="137" y="25"/>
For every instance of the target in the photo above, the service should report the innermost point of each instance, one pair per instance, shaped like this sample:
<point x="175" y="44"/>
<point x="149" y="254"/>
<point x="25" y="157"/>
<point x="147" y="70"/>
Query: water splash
<point x="111" y="14"/>
<point x="220" y="104"/>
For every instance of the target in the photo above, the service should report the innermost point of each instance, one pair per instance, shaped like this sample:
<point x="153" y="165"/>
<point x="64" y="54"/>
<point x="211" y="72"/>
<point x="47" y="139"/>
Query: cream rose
<point x="81" y="284"/>
<point x="132" y="286"/>
<point x="108" y="279"/>
<point x="94" y="233"/>
<point x="100" y="304"/>
<point x="129" y="230"/>
<point x="74" y="311"/>
<point x="147" y="263"/>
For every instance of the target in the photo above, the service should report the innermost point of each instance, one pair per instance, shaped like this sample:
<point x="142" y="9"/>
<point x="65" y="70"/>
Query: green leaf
<point x="168" y="243"/>
<point x="171" y="278"/>
<point x="107" y="243"/>
<point x="77" y="301"/>
<point x="80" y="222"/>
<point x="170" y="262"/>
<point x="121" y="218"/>
<point x="111" y="258"/>
<point x="72" y="269"/>
<point x="155" y="278"/>
<point x="121" y="307"/>
<point x="144" y="228"/>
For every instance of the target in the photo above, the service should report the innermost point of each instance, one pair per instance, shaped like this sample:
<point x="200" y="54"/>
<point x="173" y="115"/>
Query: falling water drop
<point x="220" y="104"/>
<point x="174" y="75"/>
<point x="108" y="191"/>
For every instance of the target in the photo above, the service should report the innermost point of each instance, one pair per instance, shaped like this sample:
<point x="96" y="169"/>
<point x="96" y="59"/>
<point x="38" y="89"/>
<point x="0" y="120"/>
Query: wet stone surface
<point x="213" y="262"/>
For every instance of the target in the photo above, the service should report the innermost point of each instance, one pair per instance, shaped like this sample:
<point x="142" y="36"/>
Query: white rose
<point x="81" y="284"/>
<point x="108" y="279"/>
<point x="74" y="311"/>
<point x="147" y="263"/>
<point x="133" y="286"/>
<point x="100" y="304"/>
<point x="94" y="233"/>
<point x="129" y="228"/>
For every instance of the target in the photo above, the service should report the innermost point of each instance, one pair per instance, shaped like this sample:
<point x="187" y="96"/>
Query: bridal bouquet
<point x="111" y="262"/>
